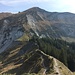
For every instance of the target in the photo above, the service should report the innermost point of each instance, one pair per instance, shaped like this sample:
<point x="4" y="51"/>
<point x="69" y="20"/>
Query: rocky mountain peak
<point x="37" y="21"/>
<point x="17" y="30"/>
<point x="35" y="9"/>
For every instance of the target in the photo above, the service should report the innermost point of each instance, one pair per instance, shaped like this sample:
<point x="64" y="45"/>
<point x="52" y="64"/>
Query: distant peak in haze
<point x="35" y="9"/>
<point x="38" y="9"/>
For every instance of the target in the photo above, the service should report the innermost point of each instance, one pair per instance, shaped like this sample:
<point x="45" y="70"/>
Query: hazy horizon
<point x="15" y="6"/>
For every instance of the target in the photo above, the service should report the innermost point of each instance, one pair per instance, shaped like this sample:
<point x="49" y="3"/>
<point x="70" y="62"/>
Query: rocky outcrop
<point x="37" y="21"/>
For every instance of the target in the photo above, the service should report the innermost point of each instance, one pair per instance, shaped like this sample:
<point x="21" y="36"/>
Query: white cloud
<point x="63" y="5"/>
<point x="55" y="5"/>
<point x="12" y="2"/>
<point x="56" y="2"/>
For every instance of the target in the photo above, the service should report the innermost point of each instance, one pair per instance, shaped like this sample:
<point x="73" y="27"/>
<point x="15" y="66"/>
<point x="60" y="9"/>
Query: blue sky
<point x="49" y="5"/>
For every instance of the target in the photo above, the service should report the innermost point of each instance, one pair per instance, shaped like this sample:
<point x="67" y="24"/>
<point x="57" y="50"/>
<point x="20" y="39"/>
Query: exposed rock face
<point x="37" y="21"/>
<point x="8" y="34"/>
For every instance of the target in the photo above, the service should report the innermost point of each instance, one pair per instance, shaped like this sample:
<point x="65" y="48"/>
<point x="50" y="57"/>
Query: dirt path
<point x="44" y="72"/>
<point x="56" y="67"/>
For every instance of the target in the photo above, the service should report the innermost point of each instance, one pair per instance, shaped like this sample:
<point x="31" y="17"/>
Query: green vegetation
<point x="62" y="50"/>
<point x="24" y="38"/>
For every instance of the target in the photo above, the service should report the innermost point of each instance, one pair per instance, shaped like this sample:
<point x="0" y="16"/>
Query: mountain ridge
<point x="23" y="59"/>
<point x="37" y="21"/>
<point x="4" y="15"/>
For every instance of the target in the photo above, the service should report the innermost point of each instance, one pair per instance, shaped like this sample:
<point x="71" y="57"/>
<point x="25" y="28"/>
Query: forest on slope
<point x="62" y="50"/>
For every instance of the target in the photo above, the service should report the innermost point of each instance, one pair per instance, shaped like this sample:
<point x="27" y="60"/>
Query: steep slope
<point x="27" y="58"/>
<point x="36" y="21"/>
<point x="3" y="15"/>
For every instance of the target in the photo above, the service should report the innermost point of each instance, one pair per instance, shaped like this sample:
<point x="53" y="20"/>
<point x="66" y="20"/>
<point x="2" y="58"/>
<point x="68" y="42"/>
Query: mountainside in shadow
<point x="27" y="59"/>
